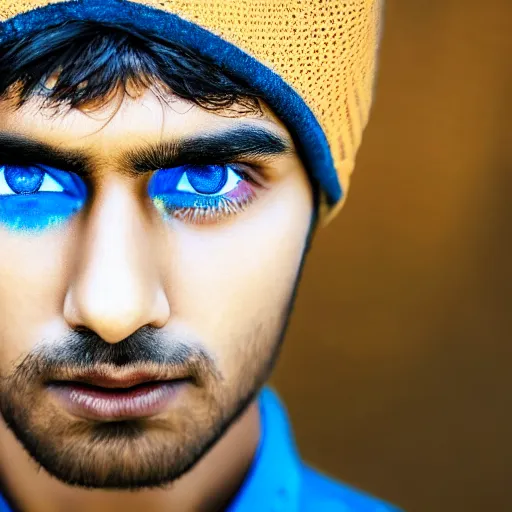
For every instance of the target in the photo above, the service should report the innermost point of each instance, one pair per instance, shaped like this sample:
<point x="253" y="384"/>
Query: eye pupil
<point x="24" y="180"/>
<point x="208" y="180"/>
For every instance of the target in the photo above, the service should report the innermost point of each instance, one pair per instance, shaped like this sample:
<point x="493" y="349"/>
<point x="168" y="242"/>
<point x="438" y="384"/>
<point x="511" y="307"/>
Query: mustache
<point x="148" y="347"/>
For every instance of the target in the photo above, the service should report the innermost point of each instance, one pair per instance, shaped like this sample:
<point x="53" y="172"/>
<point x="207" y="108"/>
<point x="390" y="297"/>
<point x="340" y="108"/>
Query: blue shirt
<point x="278" y="481"/>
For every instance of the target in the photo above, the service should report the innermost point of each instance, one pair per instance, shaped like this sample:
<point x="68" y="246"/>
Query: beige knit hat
<point x="314" y="61"/>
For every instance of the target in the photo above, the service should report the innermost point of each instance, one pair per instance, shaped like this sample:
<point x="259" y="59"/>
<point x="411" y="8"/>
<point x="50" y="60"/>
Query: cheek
<point x="32" y="286"/>
<point x="232" y="284"/>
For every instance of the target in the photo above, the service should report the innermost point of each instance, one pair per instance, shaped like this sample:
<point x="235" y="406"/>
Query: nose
<point x="115" y="288"/>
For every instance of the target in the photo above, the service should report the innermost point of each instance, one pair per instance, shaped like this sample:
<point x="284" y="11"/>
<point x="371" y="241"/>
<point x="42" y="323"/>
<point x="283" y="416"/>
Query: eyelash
<point x="217" y="207"/>
<point x="202" y="215"/>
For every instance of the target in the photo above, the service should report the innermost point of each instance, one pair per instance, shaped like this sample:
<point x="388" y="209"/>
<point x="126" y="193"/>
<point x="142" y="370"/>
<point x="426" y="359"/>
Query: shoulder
<point x="319" y="492"/>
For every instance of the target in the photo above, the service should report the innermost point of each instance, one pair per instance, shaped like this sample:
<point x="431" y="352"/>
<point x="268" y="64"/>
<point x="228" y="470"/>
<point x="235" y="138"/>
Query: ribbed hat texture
<point x="314" y="61"/>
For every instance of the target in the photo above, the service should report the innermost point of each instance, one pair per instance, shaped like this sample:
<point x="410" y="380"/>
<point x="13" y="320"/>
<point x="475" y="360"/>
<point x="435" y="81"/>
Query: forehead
<point x="124" y="121"/>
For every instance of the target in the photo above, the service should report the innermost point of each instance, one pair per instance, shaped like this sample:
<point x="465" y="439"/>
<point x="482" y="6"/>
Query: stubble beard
<point x="142" y="453"/>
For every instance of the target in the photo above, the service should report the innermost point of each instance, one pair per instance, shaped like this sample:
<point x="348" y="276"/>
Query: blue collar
<point x="272" y="483"/>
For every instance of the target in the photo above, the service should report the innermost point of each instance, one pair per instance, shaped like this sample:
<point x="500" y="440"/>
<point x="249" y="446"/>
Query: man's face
<point x="140" y="307"/>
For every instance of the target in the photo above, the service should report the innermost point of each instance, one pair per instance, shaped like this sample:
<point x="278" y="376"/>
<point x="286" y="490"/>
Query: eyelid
<point x="252" y="172"/>
<point x="70" y="181"/>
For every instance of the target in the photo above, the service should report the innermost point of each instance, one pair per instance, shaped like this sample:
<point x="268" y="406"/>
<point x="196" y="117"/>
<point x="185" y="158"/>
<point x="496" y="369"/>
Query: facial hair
<point x="140" y="453"/>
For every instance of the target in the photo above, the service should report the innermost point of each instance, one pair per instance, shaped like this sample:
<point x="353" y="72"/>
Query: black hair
<point x="79" y="63"/>
<point x="86" y="62"/>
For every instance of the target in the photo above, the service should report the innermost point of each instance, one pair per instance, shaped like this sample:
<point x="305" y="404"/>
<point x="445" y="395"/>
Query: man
<point x="162" y="170"/>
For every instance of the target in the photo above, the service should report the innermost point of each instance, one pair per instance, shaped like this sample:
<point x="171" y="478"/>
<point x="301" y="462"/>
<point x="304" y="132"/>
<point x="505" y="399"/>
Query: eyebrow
<point x="17" y="149"/>
<point x="220" y="147"/>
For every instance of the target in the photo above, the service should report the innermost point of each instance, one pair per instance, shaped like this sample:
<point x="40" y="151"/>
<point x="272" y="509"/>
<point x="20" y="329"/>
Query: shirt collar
<point x="272" y="483"/>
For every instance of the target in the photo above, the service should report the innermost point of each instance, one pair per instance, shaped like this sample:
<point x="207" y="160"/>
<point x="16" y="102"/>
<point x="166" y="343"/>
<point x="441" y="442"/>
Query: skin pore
<point x="124" y="247"/>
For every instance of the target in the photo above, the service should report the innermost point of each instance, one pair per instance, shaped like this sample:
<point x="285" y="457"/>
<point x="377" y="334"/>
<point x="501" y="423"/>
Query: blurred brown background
<point x="397" y="366"/>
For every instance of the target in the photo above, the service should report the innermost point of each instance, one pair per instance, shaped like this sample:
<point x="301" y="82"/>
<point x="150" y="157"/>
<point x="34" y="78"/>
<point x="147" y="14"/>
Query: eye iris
<point x="23" y="180"/>
<point x="208" y="180"/>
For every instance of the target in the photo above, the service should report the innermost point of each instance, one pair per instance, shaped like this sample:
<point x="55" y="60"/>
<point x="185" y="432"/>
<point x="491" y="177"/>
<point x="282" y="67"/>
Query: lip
<point x="102" y="397"/>
<point x="121" y="380"/>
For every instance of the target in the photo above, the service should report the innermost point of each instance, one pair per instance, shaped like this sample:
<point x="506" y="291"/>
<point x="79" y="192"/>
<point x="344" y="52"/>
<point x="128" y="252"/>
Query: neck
<point x="209" y="486"/>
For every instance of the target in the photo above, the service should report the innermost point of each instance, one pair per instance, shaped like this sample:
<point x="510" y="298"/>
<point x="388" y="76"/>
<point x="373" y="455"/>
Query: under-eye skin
<point x="34" y="198"/>
<point x="202" y="193"/>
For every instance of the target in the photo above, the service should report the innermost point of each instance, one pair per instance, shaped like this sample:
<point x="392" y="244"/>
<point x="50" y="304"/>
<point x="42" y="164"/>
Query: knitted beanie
<point x="312" y="61"/>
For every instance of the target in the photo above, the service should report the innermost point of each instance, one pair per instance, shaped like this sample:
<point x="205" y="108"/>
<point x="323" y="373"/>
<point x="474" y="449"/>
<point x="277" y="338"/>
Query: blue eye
<point x="22" y="181"/>
<point x="208" y="180"/>
<point x="36" y="197"/>
<point x="205" y="186"/>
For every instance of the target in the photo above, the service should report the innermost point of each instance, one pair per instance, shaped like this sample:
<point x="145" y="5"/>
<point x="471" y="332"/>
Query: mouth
<point x="104" y="398"/>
